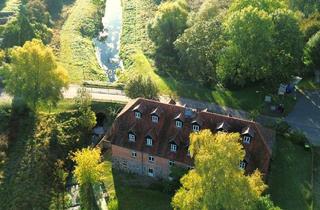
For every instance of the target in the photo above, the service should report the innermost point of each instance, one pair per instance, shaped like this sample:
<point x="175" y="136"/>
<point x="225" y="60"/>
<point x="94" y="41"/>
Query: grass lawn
<point x="248" y="99"/>
<point x="132" y="192"/>
<point x="290" y="177"/>
<point x="316" y="178"/>
<point x="309" y="84"/>
<point x="77" y="53"/>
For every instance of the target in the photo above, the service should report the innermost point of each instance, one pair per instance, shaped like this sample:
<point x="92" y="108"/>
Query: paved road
<point x="98" y="94"/>
<point x="306" y="116"/>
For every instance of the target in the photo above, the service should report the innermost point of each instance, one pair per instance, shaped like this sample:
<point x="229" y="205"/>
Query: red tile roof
<point x="258" y="152"/>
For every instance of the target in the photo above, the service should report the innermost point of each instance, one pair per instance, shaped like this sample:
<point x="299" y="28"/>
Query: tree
<point x="2" y="57"/>
<point x="217" y="182"/>
<point x="88" y="172"/>
<point x="312" y="52"/>
<point x="310" y="26"/>
<point x="247" y="54"/>
<point x="87" y="118"/>
<point x="198" y="49"/>
<point x="170" y="22"/>
<point x="211" y="9"/>
<point x="140" y="86"/>
<point x="34" y="75"/>
<point x="287" y="48"/>
<point x="268" y="6"/>
<point x="54" y="7"/>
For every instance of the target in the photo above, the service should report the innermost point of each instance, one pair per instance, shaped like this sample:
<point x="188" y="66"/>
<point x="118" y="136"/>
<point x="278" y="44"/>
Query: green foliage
<point x="211" y="9"/>
<point x="87" y="118"/>
<point x="217" y="182"/>
<point x="198" y="49"/>
<point x="37" y="12"/>
<point x="247" y="55"/>
<point x="88" y="169"/>
<point x="306" y="6"/>
<point x="264" y="44"/>
<point x="265" y="203"/>
<point x="139" y="86"/>
<point x="287" y="46"/>
<point x="34" y="75"/>
<point x="54" y="6"/>
<point x="170" y="22"/>
<point x="310" y="26"/>
<point x="312" y="52"/>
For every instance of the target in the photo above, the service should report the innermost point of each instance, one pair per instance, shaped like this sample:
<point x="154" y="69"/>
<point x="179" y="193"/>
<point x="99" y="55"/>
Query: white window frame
<point x="151" y="158"/>
<point x="149" y="141"/>
<point x="154" y="118"/>
<point x="171" y="162"/>
<point x="132" y="137"/>
<point x="178" y="124"/>
<point x="133" y="154"/>
<point x="173" y="147"/>
<point x="137" y="115"/>
<point x="151" y="172"/>
<point x="196" y="128"/>
<point x="246" y="139"/>
<point x="242" y="165"/>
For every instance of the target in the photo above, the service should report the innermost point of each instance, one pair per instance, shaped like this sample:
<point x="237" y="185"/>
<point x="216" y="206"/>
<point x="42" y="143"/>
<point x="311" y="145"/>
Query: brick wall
<point x="122" y="159"/>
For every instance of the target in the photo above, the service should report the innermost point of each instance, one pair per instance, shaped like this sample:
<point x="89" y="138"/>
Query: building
<point x="148" y="137"/>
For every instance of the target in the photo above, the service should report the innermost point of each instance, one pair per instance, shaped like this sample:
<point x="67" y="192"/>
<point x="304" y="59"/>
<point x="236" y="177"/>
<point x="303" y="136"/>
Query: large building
<point x="148" y="137"/>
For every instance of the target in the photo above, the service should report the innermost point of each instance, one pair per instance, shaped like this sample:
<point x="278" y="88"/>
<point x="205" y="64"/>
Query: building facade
<point x="148" y="137"/>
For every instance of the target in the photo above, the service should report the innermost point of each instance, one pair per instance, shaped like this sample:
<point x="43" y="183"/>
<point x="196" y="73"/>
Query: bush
<point x="141" y="87"/>
<point x="282" y="128"/>
<point x="298" y="138"/>
<point x="113" y="204"/>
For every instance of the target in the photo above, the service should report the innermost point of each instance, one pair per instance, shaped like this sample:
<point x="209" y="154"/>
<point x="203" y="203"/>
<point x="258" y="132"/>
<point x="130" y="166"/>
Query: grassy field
<point x="136" y="15"/>
<point x="290" y="177"/>
<point x="77" y="53"/>
<point x="131" y="192"/>
<point x="248" y="99"/>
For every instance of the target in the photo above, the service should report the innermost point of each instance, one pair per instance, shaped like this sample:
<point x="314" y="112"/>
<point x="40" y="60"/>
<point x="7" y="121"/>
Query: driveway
<point x="306" y="116"/>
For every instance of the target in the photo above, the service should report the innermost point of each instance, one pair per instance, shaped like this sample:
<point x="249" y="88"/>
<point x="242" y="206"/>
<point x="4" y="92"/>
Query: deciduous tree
<point x="88" y="172"/>
<point x="312" y="52"/>
<point x="217" y="182"/>
<point x="140" y="86"/>
<point x="34" y="75"/>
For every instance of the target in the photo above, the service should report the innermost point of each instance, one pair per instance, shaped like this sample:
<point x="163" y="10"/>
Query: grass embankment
<point x="77" y="53"/>
<point x="290" y="176"/>
<point x="137" y="50"/>
<point x="132" y="192"/>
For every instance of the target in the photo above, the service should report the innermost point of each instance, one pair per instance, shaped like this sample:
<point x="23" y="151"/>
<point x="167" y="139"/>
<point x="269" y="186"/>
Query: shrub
<point x="141" y="87"/>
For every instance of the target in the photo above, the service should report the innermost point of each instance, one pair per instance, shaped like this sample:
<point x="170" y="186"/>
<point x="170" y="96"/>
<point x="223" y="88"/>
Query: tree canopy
<point x="140" y="86"/>
<point x="312" y="52"/>
<point x="217" y="182"/>
<point x="34" y="75"/>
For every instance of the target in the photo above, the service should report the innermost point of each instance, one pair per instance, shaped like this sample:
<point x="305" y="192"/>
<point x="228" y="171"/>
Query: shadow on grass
<point x="290" y="176"/>
<point x="133" y="192"/>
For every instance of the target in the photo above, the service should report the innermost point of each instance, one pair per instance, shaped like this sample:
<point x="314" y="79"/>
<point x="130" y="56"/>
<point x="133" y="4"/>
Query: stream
<point x="108" y="43"/>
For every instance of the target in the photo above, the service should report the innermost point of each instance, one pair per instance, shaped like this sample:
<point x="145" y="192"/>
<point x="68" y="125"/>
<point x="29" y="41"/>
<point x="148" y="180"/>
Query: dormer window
<point x="179" y="124"/>
<point x="137" y="115"/>
<point x="243" y="164"/>
<point x="154" y="118"/>
<point x="149" y="141"/>
<point x="173" y="147"/>
<point x="246" y="139"/>
<point x="195" y="128"/>
<point x="131" y="137"/>
<point x="171" y="162"/>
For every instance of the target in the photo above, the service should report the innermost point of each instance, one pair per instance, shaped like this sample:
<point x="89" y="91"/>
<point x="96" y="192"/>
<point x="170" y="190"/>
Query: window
<point x="151" y="158"/>
<point x="137" y="115"/>
<point x="132" y="137"/>
<point x="171" y="163"/>
<point x="178" y="124"/>
<point x="173" y="147"/>
<point x="154" y="119"/>
<point x="242" y="164"/>
<point x="134" y="154"/>
<point x="149" y="141"/>
<point x="150" y="172"/>
<point x="246" y="139"/>
<point x="195" y="128"/>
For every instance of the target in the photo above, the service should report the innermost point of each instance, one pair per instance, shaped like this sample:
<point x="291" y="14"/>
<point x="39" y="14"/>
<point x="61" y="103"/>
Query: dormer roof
<point x="223" y="126"/>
